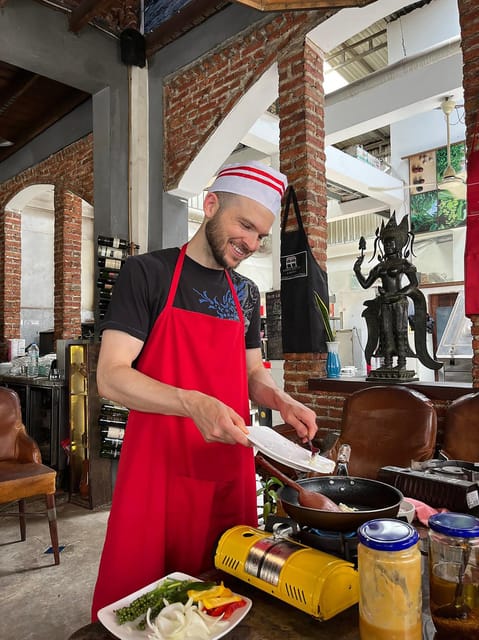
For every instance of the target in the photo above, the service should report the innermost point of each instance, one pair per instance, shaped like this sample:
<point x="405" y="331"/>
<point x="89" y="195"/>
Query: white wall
<point x="37" y="281"/>
<point x="37" y="273"/>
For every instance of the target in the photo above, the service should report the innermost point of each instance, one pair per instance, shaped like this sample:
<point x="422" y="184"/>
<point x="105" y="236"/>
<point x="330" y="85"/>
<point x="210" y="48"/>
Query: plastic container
<point x="33" y="353"/>
<point x="454" y="575"/>
<point x="390" y="595"/>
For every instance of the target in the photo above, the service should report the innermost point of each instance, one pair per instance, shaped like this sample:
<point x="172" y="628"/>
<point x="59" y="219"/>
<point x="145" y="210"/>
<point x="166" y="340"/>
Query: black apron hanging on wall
<point x="301" y="321"/>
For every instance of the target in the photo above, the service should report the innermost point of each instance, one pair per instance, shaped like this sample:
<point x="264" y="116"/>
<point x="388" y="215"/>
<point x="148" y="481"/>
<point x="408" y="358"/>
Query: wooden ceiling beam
<point x="290" y="5"/>
<point x="21" y="82"/>
<point x="87" y="11"/>
<point x="42" y="122"/>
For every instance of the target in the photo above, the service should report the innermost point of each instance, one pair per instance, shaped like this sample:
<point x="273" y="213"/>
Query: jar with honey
<point x="390" y="594"/>
<point x="454" y="575"/>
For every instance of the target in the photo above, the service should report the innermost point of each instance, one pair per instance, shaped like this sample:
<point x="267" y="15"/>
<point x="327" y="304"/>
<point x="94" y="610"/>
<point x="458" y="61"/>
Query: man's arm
<point x="265" y="393"/>
<point x="118" y="381"/>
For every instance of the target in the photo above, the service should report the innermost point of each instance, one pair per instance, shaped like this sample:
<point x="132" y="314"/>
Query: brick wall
<point x="199" y="97"/>
<point x="71" y="172"/>
<point x="301" y="112"/>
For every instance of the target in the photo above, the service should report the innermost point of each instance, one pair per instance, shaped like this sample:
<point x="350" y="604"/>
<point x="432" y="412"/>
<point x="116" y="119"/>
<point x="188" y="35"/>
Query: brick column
<point x="10" y="278"/>
<point x="301" y="112"/>
<point x="67" y="297"/>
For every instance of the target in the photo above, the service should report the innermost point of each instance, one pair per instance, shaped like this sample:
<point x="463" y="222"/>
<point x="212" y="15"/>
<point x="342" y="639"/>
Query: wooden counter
<point x="433" y="390"/>
<point x="272" y="619"/>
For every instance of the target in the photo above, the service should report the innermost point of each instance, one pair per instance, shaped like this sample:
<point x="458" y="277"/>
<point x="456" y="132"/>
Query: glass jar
<point x="454" y="575"/>
<point x="389" y="567"/>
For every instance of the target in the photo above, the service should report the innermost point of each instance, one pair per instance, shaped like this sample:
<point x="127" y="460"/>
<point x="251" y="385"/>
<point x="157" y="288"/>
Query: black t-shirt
<point x="142" y="287"/>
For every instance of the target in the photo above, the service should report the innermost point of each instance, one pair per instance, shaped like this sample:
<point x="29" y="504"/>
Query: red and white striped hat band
<point x="254" y="180"/>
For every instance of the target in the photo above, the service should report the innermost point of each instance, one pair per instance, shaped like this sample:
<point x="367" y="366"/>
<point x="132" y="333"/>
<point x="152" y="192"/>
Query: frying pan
<point x="371" y="498"/>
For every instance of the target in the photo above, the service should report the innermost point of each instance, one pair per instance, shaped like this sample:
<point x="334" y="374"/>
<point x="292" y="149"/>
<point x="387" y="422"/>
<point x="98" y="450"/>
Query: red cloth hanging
<point x="471" y="254"/>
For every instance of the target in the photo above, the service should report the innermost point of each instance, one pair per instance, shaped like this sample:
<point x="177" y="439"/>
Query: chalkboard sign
<point x="273" y="325"/>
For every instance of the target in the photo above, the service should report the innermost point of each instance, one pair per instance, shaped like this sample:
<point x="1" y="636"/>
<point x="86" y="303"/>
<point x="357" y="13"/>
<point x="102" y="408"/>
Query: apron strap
<point x="176" y="277"/>
<point x="291" y="195"/>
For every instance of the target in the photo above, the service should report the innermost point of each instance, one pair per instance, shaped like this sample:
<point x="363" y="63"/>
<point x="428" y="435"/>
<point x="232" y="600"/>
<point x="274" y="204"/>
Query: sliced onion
<point x="178" y="621"/>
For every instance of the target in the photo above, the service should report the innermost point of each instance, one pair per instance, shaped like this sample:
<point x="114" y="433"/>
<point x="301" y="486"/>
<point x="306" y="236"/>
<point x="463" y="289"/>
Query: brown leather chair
<point x="461" y="429"/>
<point x="22" y="474"/>
<point x="386" y="425"/>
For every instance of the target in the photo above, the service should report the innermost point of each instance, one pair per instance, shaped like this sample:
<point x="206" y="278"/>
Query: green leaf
<point x="323" y="309"/>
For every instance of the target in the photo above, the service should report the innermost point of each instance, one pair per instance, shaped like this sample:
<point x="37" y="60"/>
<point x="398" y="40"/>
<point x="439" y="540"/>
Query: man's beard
<point x="214" y="237"/>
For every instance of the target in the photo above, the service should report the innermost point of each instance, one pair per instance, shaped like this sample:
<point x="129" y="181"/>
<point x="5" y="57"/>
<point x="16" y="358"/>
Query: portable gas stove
<point x="450" y="484"/>
<point x="284" y="564"/>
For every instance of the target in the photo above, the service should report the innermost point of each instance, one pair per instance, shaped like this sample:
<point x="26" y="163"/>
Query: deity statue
<point x="387" y="316"/>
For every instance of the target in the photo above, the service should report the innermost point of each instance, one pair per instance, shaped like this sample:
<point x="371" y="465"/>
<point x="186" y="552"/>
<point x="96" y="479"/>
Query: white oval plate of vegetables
<point x="176" y="607"/>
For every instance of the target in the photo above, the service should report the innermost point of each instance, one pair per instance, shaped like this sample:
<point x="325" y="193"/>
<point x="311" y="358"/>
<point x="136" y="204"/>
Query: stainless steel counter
<point x="39" y="381"/>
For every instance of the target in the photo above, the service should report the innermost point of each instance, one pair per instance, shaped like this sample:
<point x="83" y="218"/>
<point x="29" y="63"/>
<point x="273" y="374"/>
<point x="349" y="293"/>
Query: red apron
<point x="175" y="494"/>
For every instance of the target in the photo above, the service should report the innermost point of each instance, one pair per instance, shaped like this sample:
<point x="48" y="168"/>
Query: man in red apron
<point x="181" y="349"/>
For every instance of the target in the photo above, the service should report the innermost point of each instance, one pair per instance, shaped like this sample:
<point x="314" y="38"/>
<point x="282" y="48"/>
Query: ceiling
<point x="30" y="103"/>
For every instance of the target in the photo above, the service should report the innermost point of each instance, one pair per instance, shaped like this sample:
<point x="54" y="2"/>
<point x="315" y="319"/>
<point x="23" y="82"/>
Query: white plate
<point x="276" y="446"/>
<point x="128" y="631"/>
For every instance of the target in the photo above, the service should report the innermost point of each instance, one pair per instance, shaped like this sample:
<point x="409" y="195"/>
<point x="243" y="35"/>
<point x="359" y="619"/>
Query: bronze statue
<point x="387" y="315"/>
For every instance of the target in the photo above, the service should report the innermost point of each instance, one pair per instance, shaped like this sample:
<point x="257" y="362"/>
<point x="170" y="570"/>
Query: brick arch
<point x="70" y="171"/>
<point x="200" y="97"/>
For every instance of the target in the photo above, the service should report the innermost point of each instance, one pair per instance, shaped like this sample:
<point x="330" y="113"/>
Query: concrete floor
<point x="38" y="600"/>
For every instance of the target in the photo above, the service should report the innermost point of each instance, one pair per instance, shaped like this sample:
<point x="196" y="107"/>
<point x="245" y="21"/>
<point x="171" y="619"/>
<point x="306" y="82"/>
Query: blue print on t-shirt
<point x="226" y="308"/>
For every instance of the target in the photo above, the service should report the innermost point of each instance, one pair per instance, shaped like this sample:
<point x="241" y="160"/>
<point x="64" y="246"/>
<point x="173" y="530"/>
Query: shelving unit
<point x="112" y="253"/>
<point x="43" y="403"/>
<point x="112" y="421"/>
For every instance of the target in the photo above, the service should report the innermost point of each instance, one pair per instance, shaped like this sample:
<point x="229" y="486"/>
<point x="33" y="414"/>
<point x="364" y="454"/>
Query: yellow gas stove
<point x="316" y="582"/>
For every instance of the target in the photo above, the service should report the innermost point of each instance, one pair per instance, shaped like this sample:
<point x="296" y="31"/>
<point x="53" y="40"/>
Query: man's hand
<point x="300" y="417"/>
<point x="216" y="421"/>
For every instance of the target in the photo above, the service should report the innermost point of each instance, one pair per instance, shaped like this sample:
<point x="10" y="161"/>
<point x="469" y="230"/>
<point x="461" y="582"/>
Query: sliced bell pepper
<point x="226" y="610"/>
<point x="212" y="592"/>
<point x="212" y="603"/>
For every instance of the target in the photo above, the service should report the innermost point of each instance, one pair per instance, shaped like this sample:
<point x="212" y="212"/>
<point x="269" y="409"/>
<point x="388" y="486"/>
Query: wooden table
<point x="272" y="619"/>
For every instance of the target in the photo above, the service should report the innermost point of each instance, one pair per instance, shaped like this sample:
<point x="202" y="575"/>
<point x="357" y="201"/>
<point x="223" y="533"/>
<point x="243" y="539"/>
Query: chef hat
<point x="254" y="180"/>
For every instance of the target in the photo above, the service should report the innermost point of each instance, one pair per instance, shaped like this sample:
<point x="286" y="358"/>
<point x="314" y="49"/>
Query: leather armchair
<point x="22" y="474"/>
<point x="386" y="425"/>
<point x="461" y="429"/>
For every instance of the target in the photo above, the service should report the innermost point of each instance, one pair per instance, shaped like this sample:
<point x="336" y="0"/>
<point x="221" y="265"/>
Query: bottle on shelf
<point x="116" y="243"/>
<point x="110" y="252"/>
<point x="110" y="263"/>
<point x="33" y="353"/>
<point x="111" y="451"/>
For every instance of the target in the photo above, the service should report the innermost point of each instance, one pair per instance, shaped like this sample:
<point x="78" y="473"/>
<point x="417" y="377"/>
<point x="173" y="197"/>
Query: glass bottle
<point x="454" y="575"/>
<point x="342" y="460"/>
<point x="389" y="567"/>
<point x="116" y="243"/>
<point x="32" y="363"/>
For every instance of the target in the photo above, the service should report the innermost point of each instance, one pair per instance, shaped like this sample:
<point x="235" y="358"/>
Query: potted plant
<point x="268" y="490"/>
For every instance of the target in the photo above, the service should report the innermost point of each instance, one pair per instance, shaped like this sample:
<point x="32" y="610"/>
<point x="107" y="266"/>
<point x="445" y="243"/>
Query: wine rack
<point x="112" y="253"/>
<point x="112" y="423"/>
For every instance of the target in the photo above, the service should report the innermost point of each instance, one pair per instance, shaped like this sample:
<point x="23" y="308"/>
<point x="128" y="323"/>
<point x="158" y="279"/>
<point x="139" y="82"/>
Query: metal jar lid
<point x="387" y="534"/>
<point x="456" y="525"/>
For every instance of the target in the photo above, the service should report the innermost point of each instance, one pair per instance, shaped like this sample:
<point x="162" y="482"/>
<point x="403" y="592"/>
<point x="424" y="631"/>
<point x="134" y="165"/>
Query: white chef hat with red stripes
<point x="254" y="180"/>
